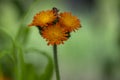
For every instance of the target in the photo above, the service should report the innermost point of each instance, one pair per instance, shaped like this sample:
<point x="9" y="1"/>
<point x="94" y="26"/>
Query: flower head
<point x="44" y="18"/>
<point x="55" y="27"/>
<point x="54" y="34"/>
<point x="69" y="22"/>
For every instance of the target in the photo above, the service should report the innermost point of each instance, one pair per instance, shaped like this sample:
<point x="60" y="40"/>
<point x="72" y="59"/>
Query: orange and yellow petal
<point x="54" y="34"/>
<point x="44" y="18"/>
<point x="69" y="22"/>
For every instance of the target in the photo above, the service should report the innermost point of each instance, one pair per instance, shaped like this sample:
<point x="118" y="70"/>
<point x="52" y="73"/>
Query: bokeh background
<point x="91" y="53"/>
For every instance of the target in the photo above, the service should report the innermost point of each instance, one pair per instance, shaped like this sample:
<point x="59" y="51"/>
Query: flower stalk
<point x="56" y="62"/>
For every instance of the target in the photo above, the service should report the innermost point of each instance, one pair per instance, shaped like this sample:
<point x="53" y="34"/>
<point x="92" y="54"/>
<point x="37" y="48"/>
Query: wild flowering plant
<point x="55" y="27"/>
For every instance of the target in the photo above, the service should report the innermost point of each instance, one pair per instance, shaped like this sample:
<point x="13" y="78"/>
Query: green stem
<point x="56" y="62"/>
<point x="19" y="62"/>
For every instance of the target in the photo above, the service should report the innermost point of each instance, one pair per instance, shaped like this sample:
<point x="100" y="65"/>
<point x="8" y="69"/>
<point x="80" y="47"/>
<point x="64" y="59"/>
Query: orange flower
<point x="69" y="22"/>
<point x="55" y="27"/>
<point x="44" y="18"/>
<point x="54" y="34"/>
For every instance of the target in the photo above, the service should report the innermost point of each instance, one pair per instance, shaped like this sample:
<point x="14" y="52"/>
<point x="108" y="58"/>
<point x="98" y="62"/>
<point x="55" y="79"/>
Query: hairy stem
<point x="56" y="62"/>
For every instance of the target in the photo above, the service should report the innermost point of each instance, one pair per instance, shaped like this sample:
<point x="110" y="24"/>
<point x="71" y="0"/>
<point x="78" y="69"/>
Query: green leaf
<point x="7" y="65"/>
<point x="22" y="35"/>
<point x="48" y="71"/>
<point x="19" y="62"/>
<point x="5" y="41"/>
<point x="6" y="44"/>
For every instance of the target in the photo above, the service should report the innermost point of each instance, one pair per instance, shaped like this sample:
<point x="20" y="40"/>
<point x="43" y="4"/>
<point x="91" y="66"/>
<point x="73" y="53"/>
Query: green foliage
<point x="14" y="51"/>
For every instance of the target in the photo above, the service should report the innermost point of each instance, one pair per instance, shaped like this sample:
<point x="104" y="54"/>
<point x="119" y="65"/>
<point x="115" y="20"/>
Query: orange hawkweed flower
<point x="44" y="18"/>
<point x="55" y="27"/>
<point x="69" y="22"/>
<point x="54" y="34"/>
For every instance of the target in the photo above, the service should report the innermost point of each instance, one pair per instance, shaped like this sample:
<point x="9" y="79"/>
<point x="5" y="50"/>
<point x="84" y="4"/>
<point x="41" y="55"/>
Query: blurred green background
<point x="91" y="53"/>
